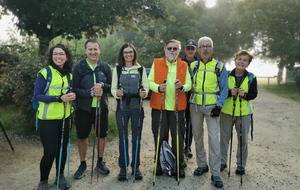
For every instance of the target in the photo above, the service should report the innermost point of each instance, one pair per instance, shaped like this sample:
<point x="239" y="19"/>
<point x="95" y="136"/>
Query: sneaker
<point x="217" y="181"/>
<point x="240" y="170"/>
<point x="80" y="173"/>
<point x="102" y="168"/>
<point x="223" y="166"/>
<point x="122" y="175"/>
<point x="138" y="174"/>
<point x="158" y="170"/>
<point x="201" y="170"/>
<point x="62" y="182"/>
<point x="43" y="185"/>
<point x="188" y="152"/>
<point x="183" y="164"/>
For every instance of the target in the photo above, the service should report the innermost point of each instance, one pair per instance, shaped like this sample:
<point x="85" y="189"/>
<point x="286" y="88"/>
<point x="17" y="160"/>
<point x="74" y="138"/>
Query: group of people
<point x="184" y="93"/>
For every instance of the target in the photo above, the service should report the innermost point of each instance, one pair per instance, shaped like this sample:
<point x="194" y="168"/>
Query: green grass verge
<point x="10" y="119"/>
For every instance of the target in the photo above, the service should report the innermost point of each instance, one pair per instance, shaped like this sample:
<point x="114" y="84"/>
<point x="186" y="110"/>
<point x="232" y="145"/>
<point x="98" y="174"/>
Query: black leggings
<point x="50" y="134"/>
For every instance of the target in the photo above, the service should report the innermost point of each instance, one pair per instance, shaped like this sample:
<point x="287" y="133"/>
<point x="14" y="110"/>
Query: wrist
<point x="92" y="93"/>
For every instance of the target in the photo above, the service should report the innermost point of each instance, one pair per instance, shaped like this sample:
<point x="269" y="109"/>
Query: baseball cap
<point x="191" y="42"/>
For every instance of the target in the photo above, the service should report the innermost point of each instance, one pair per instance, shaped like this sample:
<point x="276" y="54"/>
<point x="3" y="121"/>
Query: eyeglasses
<point x="170" y="48"/>
<point x="127" y="52"/>
<point x="203" y="47"/>
<point x="59" y="54"/>
<point x="190" y="48"/>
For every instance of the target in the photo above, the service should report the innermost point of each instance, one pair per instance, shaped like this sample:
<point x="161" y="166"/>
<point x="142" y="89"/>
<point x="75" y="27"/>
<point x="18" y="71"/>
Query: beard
<point x="171" y="57"/>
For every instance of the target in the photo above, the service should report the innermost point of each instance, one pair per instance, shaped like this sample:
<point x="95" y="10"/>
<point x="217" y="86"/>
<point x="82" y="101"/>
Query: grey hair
<point x="205" y="38"/>
<point x="174" y="41"/>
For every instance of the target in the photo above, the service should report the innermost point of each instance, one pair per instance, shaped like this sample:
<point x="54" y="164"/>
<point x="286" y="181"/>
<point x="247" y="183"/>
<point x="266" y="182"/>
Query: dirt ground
<point x="274" y="157"/>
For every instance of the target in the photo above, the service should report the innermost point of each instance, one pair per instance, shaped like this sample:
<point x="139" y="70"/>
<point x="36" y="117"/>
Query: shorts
<point x="84" y="121"/>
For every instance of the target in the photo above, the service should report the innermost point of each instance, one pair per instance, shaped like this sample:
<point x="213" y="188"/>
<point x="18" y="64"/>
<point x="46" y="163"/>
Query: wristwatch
<point x="92" y="93"/>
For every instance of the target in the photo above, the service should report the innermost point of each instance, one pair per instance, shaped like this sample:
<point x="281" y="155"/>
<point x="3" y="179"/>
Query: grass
<point x="288" y="91"/>
<point x="10" y="119"/>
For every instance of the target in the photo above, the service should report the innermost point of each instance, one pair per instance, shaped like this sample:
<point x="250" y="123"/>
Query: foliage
<point x="71" y="19"/>
<point x="274" y="24"/>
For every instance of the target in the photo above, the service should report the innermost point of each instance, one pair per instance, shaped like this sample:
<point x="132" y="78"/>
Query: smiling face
<point x="128" y="55"/>
<point x="242" y="62"/>
<point x="59" y="57"/>
<point x="172" y="51"/>
<point x="92" y="51"/>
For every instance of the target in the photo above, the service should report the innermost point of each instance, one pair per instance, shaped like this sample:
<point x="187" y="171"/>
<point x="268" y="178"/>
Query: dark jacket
<point x="83" y="81"/>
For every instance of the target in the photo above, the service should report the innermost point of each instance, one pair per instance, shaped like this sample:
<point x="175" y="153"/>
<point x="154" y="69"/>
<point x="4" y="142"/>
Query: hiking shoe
<point x="122" y="175"/>
<point x="223" y="166"/>
<point x="43" y="185"/>
<point x="80" y="173"/>
<point x="158" y="170"/>
<point x="187" y="152"/>
<point x="181" y="172"/>
<point x="62" y="182"/>
<point x="183" y="164"/>
<point x="240" y="170"/>
<point x="102" y="168"/>
<point x="138" y="174"/>
<point x="201" y="170"/>
<point x="217" y="181"/>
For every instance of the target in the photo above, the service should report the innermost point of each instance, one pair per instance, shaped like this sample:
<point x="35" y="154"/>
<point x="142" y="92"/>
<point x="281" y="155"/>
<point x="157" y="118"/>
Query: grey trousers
<point x="225" y="135"/>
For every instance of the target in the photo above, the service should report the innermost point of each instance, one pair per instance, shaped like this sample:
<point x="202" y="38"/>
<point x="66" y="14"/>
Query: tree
<point x="274" y="24"/>
<point x="94" y="18"/>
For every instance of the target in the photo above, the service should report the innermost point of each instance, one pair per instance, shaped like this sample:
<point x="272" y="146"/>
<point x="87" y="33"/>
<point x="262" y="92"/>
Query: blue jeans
<point x="136" y="117"/>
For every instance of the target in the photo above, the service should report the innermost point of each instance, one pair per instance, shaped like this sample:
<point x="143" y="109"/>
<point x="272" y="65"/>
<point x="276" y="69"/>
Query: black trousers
<point x="50" y="134"/>
<point x="168" y="124"/>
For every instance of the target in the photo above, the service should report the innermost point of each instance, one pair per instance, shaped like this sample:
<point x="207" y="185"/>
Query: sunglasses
<point x="170" y="48"/>
<point x="190" y="48"/>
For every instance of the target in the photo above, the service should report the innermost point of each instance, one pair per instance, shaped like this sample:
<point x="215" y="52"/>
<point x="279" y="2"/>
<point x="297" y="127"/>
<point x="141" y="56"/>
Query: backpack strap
<point x="48" y="79"/>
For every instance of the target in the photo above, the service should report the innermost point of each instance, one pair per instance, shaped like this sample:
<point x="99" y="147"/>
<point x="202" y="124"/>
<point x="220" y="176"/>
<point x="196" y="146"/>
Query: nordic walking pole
<point x="61" y="145"/>
<point x="177" y="138"/>
<point x="12" y="148"/>
<point x="94" y="143"/>
<point x="124" y="141"/>
<point x="188" y="140"/>
<point x="231" y="136"/>
<point x="158" y="135"/>
<point x="98" y="131"/>
<point x="138" y="134"/>
<point x="241" y="152"/>
<point x="69" y="142"/>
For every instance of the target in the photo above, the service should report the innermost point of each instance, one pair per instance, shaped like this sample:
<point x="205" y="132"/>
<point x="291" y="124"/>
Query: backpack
<point x="119" y="71"/>
<point x="34" y="102"/>
<point x="167" y="159"/>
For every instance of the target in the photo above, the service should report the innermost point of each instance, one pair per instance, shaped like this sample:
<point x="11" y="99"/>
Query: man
<point x="92" y="82"/>
<point x="190" y="50"/>
<point x="207" y="98"/>
<point x="167" y="97"/>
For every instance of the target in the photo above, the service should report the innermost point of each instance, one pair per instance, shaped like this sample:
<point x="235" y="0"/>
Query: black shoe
<point x="80" y="173"/>
<point x="138" y="174"/>
<point x="240" y="170"/>
<point x="102" y="168"/>
<point x="223" y="166"/>
<point x="181" y="172"/>
<point x="122" y="175"/>
<point x="188" y="153"/>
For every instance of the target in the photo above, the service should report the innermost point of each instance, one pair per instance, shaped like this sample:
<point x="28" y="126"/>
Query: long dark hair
<point x="121" y="60"/>
<point x="68" y="64"/>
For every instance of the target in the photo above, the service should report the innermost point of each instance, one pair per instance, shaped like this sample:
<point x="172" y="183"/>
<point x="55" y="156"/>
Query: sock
<point x="100" y="159"/>
<point x="83" y="163"/>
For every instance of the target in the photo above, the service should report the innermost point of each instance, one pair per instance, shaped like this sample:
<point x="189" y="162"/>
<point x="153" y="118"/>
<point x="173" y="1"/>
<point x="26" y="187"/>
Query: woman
<point x="129" y="86"/>
<point x="54" y="112"/>
<point x="238" y="109"/>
